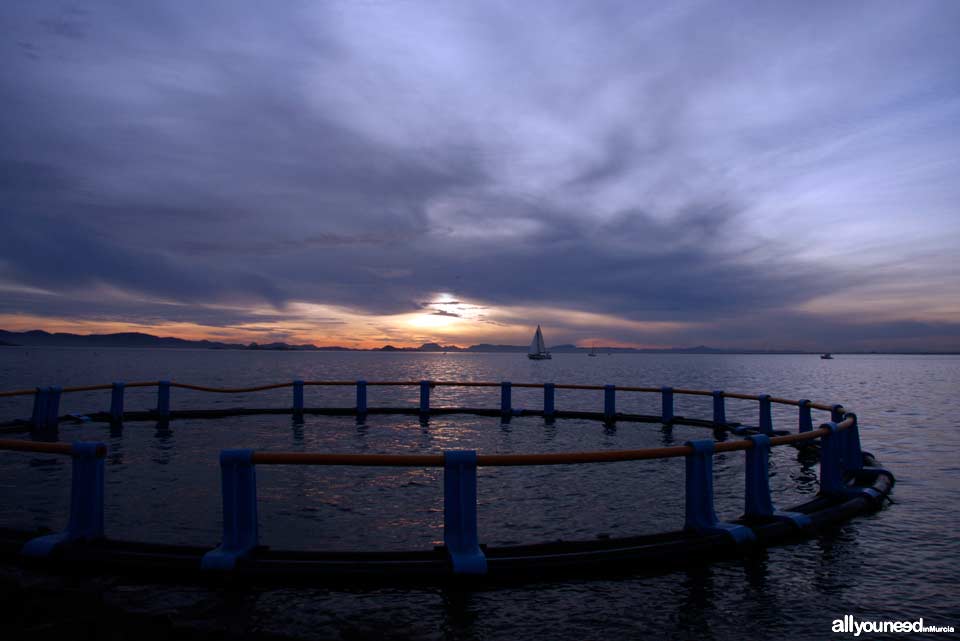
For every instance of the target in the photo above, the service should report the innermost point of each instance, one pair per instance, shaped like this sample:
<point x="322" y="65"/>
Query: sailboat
<point x="538" y="349"/>
<point x="593" y="350"/>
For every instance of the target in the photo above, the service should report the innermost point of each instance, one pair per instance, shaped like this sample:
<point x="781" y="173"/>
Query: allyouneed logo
<point x="849" y="624"/>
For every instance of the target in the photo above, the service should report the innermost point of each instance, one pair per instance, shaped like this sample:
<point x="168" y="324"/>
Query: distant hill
<point x="40" y="338"/>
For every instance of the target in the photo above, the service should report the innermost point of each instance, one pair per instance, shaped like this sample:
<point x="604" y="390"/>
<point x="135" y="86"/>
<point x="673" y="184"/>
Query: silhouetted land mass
<point x="40" y="338"/>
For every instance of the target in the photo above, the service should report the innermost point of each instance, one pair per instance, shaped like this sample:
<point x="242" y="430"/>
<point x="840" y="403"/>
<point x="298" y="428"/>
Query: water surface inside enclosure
<point x="163" y="482"/>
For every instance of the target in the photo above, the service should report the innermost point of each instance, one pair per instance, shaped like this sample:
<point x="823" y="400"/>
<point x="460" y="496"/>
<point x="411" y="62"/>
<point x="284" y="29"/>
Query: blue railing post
<point x="851" y="456"/>
<point x="86" y="501"/>
<point x="757" y="493"/>
<point x="700" y="515"/>
<point x="460" y="512"/>
<point x="766" y="417"/>
<point x="699" y="486"/>
<point x="831" y="471"/>
<point x="298" y="397"/>
<point x="40" y="402"/>
<point x="239" y="489"/>
<point x="666" y="405"/>
<point x="549" y="397"/>
<point x="424" y="399"/>
<point x="757" y="501"/>
<point x="52" y="416"/>
<point x="361" y="399"/>
<point x="506" y="402"/>
<point x="163" y="399"/>
<point x="836" y="413"/>
<point x="609" y="403"/>
<point x="719" y="408"/>
<point x="806" y="420"/>
<point x="116" y="402"/>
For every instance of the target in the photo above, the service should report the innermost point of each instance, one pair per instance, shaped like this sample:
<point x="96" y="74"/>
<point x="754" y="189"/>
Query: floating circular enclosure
<point x="851" y="483"/>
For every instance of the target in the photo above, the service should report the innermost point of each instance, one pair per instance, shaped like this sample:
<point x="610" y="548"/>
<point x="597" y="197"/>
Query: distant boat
<point x="538" y="349"/>
<point x="826" y="356"/>
<point x="593" y="350"/>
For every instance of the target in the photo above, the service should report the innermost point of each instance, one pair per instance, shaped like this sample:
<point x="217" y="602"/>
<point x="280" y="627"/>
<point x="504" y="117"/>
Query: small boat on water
<point x="538" y="349"/>
<point x="593" y="350"/>
<point x="826" y="356"/>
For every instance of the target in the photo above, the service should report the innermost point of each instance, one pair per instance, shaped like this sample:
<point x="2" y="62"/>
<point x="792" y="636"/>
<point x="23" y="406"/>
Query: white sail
<point x="537" y="346"/>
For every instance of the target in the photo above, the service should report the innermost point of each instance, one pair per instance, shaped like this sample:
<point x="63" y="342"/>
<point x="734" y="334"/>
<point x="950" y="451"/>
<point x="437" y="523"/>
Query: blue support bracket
<point x="424" y="399"/>
<point x="86" y="501"/>
<point x="460" y="512"/>
<point x="361" y="398"/>
<point x="609" y="403"/>
<point x="766" y="417"/>
<point x="836" y="413"/>
<point x="851" y="456"/>
<point x="506" y="402"/>
<point x="666" y="405"/>
<point x="700" y="514"/>
<point x="40" y="402"/>
<point x="116" y="402"/>
<point x="163" y="399"/>
<point x="757" y="501"/>
<point x="298" y="397"/>
<point x="719" y="408"/>
<point x="549" y="397"/>
<point x="831" y="470"/>
<point x="52" y="417"/>
<point x="806" y="420"/>
<point x="239" y="488"/>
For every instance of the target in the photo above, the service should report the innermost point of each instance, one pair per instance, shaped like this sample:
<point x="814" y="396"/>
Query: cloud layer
<point x="718" y="173"/>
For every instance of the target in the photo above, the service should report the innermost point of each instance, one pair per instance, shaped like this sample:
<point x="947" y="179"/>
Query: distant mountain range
<point x="40" y="338"/>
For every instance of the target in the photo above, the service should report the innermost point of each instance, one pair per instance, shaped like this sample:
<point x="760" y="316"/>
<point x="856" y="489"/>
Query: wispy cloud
<point x="734" y="173"/>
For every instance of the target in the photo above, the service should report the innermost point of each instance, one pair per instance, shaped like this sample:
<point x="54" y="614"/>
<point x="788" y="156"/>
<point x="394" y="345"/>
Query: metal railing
<point x="47" y="399"/>
<point x="839" y="441"/>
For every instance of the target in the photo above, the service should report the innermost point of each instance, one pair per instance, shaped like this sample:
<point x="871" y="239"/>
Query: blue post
<point x="116" y="402"/>
<point x="699" y="512"/>
<point x="424" y="398"/>
<point x="757" y="495"/>
<point x="549" y="395"/>
<point x="86" y="501"/>
<point x="666" y="405"/>
<point x="298" y="397"/>
<point x="506" y="404"/>
<point x="850" y="454"/>
<point x="39" y="417"/>
<point x="836" y="413"/>
<point x="699" y="486"/>
<point x="460" y="512"/>
<point x="239" y="488"/>
<point x="163" y="399"/>
<point x="831" y="472"/>
<point x="757" y="502"/>
<point x="766" y="418"/>
<point x="361" y="398"/>
<point x="52" y="417"/>
<point x="609" y="403"/>
<point x="719" y="408"/>
<point x="806" y="420"/>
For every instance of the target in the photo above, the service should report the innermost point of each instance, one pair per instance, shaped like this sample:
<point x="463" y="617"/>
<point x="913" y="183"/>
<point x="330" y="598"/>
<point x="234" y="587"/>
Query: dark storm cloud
<point x="657" y="162"/>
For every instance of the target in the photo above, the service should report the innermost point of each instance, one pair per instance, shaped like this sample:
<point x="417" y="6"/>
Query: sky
<point x="758" y="175"/>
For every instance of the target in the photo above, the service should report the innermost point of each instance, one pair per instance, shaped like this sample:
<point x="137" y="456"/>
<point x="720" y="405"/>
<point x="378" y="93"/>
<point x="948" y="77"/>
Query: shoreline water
<point x="896" y="564"/>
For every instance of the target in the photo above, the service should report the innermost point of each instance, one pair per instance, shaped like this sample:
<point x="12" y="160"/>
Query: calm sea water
<point x="163" y="485"/>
